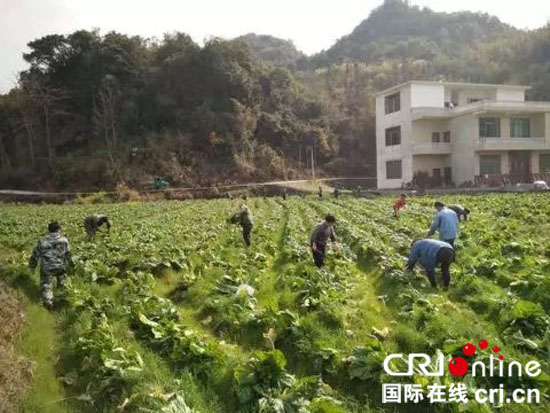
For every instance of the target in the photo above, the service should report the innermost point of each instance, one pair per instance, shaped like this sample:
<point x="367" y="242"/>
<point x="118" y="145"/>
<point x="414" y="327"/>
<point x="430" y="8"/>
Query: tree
<point x="49" y="99"/>
<point x="25" y="115"/>
<point x="106" y="115"/>
<point x="47" y="53"/>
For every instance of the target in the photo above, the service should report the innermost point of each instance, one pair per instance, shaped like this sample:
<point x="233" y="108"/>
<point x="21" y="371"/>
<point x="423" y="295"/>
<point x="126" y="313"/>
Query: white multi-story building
<point x="460" y="132"/>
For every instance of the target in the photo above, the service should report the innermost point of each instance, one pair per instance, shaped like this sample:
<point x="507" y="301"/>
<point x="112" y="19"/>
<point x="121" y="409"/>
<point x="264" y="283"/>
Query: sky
<point x="313" y="25"/>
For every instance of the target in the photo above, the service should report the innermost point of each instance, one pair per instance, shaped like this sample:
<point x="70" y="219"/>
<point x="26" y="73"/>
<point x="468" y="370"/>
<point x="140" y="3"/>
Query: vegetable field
<point x="170" y="312"/>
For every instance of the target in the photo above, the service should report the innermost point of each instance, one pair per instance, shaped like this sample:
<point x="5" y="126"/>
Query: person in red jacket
<point x="399" y="204"/>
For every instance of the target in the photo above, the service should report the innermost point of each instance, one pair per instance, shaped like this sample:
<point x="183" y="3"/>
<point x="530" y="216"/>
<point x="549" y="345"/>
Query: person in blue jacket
<point x="430" y="253"/>
<point x="446" y="222"/>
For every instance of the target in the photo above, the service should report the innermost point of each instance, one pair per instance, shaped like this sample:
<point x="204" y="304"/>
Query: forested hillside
<point x="96" y="110"/>
<point x="274" y="50"/>
<point x="396" y="30"/>
<point x="100" y="110"/>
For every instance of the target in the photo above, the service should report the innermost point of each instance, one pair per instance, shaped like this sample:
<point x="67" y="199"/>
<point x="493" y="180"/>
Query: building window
<point x="489" y="127"/>
<point x="436" y="137"/>
<point x="393" y="136"/>
<point x="489" y="164"/>
<point x="392" y="103"/>
<point x="544" y="162"/>
<point x="447" y="136"/>
<point x="393" y="170"/>
<point x="520" y="128"/>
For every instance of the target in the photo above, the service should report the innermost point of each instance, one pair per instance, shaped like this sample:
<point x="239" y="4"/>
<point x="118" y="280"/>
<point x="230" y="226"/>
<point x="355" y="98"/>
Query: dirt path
<point x="28" y="346"/>
<point x="40" y="343"/>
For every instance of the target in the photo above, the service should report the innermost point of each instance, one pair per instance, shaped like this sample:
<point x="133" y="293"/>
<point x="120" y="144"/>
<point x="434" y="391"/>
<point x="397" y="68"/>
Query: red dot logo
<point x="483" y="344"/>
<point x="469" y="349"/>
<point x="501" y="357"/>
<point x="458" y="367"/>
<point x="496" y="349"/>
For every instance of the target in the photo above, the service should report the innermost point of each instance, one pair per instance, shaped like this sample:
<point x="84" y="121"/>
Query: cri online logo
<point x="458" y="366"/>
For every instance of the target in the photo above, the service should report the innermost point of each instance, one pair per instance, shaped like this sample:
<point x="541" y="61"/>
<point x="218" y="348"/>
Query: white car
<point x="540" y="185"/>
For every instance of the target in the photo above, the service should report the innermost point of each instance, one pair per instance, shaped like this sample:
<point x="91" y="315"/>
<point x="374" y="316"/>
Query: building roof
<point x="452" y="84"/>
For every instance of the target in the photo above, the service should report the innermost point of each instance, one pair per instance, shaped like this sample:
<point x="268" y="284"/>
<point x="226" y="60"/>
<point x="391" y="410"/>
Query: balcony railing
<point x="503" y="105"/>
<point x="426" y="112"/>
<point x="480" y="106"/>
<point x="434" y="148"/>
<point x="510" y="144"/>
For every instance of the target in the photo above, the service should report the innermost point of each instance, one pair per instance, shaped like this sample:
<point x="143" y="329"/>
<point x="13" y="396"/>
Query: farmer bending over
<point x="431" y="253"/>
<point x="54" y="253"/>
<point x="399" y="204"/>
<point x="446" y="222"/>
<point x="319" y="237"/>
<point x="93" y="222"/>
<point x="461" y="212"/>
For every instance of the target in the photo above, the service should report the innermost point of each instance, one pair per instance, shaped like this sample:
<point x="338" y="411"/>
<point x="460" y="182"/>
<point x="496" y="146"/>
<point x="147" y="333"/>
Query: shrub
<point x="95" y="198"/>
<point x="126" y="194"/>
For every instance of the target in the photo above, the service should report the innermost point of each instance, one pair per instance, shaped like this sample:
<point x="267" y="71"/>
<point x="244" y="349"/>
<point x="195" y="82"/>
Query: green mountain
<point x="399" y="42"/>
<point x="397" y="30"/>
<point x="272" y="49"/>
<point x="93" y="111"/>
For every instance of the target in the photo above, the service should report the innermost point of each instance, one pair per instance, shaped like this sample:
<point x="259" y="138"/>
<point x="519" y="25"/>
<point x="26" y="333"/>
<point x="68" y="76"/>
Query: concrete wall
<point x="505" y="126"/>
<point x="429" y="96"/>
<point x="537" y="126"/>
<point x="464" y="134"/>
<point x="481" y="93"/>
<point x="422" y="129"/>
<point x="401" y="152"/>
<point x="426" y="163"/>
<point x="510" y="95"/>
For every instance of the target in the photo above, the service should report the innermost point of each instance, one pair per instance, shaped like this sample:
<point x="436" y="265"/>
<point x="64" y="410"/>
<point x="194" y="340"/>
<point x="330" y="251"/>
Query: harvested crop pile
<point x="14" y="371"/>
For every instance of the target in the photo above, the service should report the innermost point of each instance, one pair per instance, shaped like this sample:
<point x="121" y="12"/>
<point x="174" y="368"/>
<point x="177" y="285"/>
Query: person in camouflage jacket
<point x="54" y="254"/>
